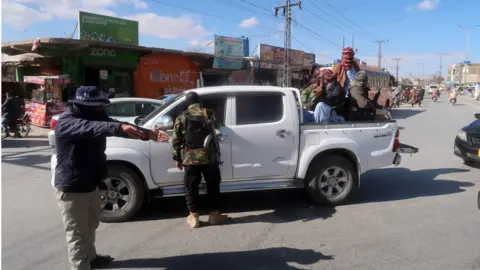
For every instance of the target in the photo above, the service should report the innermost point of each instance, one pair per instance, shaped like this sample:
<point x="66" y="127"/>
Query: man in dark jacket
<point x="361" y="107"/>
<point x="81" y="138"/>
<point x="11" y="110"/>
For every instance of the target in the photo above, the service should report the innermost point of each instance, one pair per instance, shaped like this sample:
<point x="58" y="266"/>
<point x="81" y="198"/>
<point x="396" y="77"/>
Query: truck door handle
<point x="282" y="133"/>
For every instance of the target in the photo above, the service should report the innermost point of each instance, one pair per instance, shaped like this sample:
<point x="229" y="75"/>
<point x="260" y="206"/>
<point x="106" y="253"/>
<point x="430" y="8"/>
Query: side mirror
<point x="164" y="123"/>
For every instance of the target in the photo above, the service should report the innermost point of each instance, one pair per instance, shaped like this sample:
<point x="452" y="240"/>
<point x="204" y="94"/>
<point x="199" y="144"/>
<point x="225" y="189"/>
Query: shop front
<point x="162" y="74"/>
<point x="44" y="97"/>
<point x="110" y="68"/>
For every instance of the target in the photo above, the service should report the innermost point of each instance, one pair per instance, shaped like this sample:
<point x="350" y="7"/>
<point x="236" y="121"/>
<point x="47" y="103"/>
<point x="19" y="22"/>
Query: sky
<point x="416" y="30"/>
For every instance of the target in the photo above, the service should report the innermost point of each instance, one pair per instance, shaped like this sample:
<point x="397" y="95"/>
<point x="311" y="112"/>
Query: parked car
<point x="467" y="142"/>
<point x="264" y="145"/>
<point x="166" y="98"/>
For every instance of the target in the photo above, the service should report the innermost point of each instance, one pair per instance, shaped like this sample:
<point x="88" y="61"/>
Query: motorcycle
<point x="22" y="125"/>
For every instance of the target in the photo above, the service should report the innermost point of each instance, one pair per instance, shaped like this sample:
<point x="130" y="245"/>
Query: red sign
<point x="41" y="114"/>
<point x="158" y="74"/>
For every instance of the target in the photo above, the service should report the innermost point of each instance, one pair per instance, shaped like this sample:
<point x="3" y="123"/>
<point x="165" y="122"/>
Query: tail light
<point x="53" y="123"/>
<point x="396" y="142"/>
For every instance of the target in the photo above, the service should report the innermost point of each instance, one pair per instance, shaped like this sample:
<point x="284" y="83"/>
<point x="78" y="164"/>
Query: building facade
<point x="464" y="74"/>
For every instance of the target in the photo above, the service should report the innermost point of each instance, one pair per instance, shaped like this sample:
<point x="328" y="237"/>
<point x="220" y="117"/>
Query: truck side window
<point x="259" y="108"/>
<point x="213" y="102"/>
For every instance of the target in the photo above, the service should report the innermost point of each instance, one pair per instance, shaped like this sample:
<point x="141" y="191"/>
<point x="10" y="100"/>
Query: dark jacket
<point x="361" y="108"/>
<point x="333" y="95"/>
<point x="80" y="148"/>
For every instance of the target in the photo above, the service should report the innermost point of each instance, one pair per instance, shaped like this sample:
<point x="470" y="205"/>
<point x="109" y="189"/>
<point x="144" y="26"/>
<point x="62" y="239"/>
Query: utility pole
<point x="398" y="65"/>
<point x="440" y="67"/>
<point x="353" y="43"/>
<point x="343" y="43"/>
<point x="380" y="42"/>
<point x="287" y="13"/>
<point x="422" y="64"/>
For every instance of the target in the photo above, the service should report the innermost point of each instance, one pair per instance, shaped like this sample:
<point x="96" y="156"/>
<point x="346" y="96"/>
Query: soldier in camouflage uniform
<point x="190" y="152"/>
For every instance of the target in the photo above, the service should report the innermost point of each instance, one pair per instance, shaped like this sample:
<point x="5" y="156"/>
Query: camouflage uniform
<point x="192" y="156"/>
<point x="198" y="162"/>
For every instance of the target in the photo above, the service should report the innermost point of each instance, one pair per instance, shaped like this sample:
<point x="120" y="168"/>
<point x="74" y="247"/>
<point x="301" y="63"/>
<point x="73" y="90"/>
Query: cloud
<point x="250" y="22"/>
<point x="428" y="4"/>
<point x="22" y="13"/>
<point x="169" y="27"/>
<point x="20" y="16"/>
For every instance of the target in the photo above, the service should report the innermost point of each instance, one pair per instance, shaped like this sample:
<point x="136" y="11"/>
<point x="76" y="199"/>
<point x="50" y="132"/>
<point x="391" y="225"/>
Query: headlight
<point x="462" y="135"/>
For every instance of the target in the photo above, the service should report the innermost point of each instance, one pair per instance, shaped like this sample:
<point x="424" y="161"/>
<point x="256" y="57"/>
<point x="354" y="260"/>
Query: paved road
<point x="420" y="215"/>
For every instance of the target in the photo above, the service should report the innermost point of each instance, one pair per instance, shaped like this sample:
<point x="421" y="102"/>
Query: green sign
<point x="107" y="29"/>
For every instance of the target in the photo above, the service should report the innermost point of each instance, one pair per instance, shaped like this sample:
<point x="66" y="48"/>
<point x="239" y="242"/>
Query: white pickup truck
<point x="264" y="145"/>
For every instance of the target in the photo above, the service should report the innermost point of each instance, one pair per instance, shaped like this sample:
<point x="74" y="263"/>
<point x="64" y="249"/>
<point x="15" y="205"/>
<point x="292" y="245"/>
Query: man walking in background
<point x="81" y="139"/>
<point x="194" y="152"/>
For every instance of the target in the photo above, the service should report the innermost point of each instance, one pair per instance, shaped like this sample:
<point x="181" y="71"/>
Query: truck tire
<point x="331" y="180"/>
<point x="123" y="194"/>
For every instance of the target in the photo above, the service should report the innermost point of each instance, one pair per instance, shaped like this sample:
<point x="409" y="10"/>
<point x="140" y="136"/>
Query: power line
<point x="341" y="14"/>
<point x="312" y="50"/>
<point x="260" y="7"/>
<point x="317" y="34"/>
<point x="326" y="13"/>
<point x="209" y="14"/>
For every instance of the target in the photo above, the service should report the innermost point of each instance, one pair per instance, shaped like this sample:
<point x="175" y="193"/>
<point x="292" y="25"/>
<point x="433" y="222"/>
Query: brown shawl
<point x="341" y="73"/>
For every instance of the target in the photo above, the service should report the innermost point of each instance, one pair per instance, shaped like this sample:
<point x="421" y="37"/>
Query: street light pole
<point x="469" y="30"/>
<point x="467" y="49"/>
<point x="422" y="64"/>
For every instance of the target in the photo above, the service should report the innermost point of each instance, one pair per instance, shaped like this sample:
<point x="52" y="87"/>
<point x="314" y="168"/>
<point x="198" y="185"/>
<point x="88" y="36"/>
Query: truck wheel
<point x="331" y="180"/>
<point x="478" y="200"/>
<point x="122" y="194"/>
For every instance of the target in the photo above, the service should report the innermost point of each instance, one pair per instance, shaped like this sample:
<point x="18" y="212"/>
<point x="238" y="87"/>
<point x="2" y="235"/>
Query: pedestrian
<point x="361" y="108"/>
<point x="81" y="138"/>
<point x="476" y="94"/>
<point x="11" y="110"/>
<point x="198" y="156"/>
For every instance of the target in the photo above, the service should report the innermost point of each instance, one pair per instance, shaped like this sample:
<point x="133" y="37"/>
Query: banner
<point x="162" y="74"/>
<point x="228" y="52"/>
<point x="276" y="54"/>
<point x="107" y="29"/>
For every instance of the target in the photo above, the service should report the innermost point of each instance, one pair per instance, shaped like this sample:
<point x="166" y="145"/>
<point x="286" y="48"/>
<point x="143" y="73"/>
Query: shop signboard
<point x="162" y="74"/>
<point x="107" y="29"/>
<point x="276" y="54"/>
<point x="228" y="52"/>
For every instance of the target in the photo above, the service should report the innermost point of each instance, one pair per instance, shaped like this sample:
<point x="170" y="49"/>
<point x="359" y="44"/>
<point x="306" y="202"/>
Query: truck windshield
<point x="162" y="107"/>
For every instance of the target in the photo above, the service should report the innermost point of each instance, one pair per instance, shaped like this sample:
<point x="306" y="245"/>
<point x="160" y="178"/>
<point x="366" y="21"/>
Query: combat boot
<point x="193" y="220"/>
<point x="214" y="217"/>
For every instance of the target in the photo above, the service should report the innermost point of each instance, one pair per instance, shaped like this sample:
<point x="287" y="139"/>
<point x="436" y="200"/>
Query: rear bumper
<point x="464" y="150"/>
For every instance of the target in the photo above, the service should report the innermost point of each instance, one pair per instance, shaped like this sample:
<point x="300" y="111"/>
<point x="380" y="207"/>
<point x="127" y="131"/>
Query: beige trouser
<point x="81" y="217"/>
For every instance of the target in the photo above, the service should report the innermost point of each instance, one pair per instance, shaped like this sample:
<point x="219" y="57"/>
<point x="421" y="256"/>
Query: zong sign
<point x="103" y="52"/>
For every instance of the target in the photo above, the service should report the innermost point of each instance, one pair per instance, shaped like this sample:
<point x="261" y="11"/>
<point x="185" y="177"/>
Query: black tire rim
<point x="115" y="194"/>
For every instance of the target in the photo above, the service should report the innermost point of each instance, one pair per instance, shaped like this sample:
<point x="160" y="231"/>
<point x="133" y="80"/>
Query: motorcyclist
<point x="453" y="96"/>
<point x="10" y="113"/>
